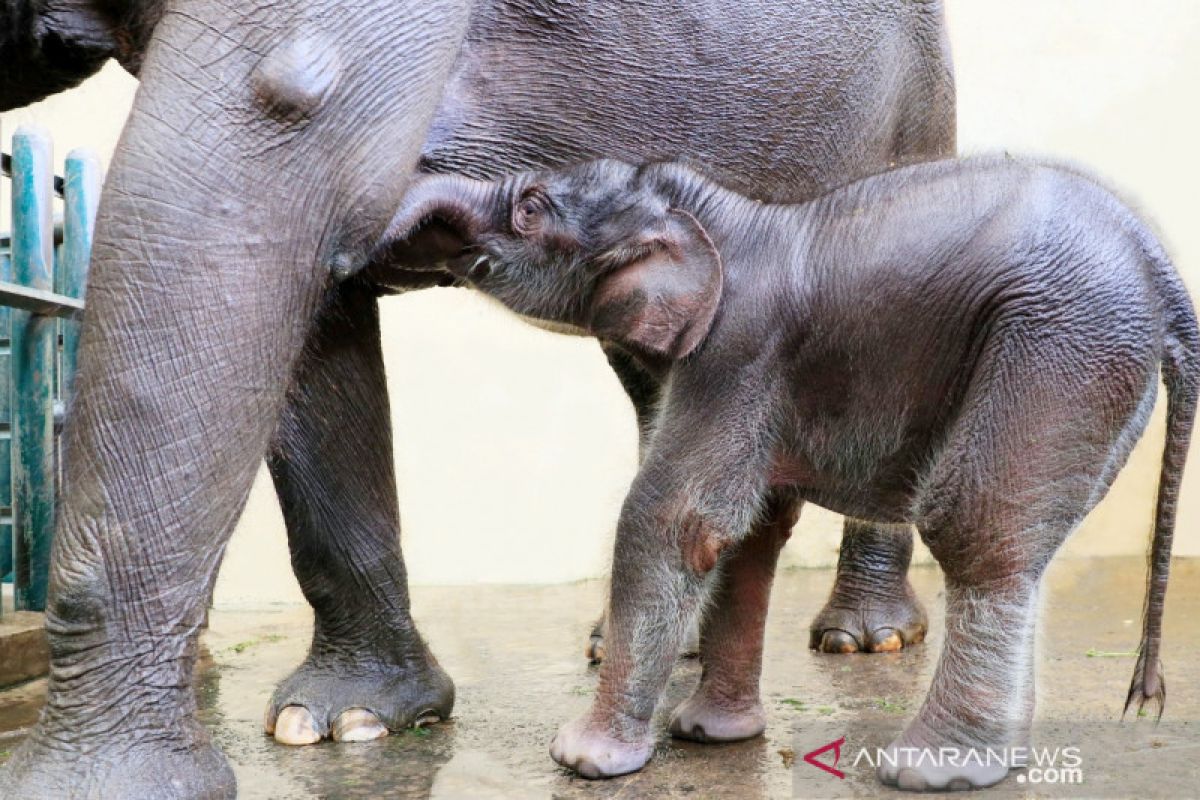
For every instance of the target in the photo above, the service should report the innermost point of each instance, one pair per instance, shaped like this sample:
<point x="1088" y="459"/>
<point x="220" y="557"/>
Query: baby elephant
<point x="970" y="346"/>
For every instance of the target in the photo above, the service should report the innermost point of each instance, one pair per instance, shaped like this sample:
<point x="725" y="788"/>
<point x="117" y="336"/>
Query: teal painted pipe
<point x="6" y="537"/>
<point x="6" y="542"/>
<point x="81" y="193"/>
<point x="34" y="345"/>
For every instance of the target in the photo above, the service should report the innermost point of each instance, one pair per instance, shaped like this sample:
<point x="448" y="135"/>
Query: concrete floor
<point x="515" y="654"/>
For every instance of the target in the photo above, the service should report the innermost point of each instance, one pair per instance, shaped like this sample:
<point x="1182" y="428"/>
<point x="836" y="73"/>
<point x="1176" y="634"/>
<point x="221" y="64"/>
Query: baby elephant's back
<point x="1009" y="242"/>
<point x="1079" y="257"/>
<point x="948" y="265"/>
<point x="1070" y="284"/>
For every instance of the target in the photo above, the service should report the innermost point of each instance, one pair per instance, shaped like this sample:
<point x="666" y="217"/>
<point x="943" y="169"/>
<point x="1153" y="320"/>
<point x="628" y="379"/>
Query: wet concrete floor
<point x="516" y="656"/>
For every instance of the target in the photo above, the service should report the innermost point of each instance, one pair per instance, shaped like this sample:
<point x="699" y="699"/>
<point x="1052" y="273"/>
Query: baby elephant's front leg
<point x="659" y="566"/>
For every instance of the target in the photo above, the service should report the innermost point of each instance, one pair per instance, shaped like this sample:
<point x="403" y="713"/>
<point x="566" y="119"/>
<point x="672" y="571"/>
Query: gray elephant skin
<point x="1015" y="316"/>
<point x="266" y="151"/>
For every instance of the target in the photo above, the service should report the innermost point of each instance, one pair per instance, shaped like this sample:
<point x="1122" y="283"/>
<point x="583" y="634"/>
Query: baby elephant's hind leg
<point x="726" y="706"/>
<point x="1015" y="478"/>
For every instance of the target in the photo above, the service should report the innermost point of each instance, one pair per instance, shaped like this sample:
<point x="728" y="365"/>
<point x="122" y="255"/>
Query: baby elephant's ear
<point x="662" y="302"/>
<point x="438" y="217"/>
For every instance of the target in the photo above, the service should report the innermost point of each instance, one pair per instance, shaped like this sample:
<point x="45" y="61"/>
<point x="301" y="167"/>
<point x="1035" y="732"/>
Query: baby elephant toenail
<point x="358" y="725"/>
<point x="296" y="726"/>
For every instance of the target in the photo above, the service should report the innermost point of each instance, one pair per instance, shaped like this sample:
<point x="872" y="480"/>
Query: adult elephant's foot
<point x="854" y="621"/>
<point x="599" y="748"/>
<point x="154" y="767"/>
<point x="707" y="717"/>
<point x="872" y="608"/>
<point x="357" y="700"/>
<point x="595" y="647"/>
<point x="918" y="762"/>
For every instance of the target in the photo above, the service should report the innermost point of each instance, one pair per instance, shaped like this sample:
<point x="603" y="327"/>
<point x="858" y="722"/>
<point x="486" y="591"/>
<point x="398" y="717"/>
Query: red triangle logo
<point x="836" y="747"/>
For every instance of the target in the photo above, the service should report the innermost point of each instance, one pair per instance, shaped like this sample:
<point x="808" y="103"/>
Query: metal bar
<point x="82" y="196"/>
<point x="6" y="238"/>
<point x="39" y="301"/>
<point x="34" y="341"/>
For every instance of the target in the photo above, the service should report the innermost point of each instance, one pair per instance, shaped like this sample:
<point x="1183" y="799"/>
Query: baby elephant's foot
<point x="357" y="702"/>
<point x="704" y="718"/>
<point x="916" y="765"/>
<point x="597" y="749"/>
<point x="855" y="621"/>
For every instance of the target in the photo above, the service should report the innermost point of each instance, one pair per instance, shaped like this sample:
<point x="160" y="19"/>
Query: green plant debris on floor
<point x="242" y="647"/>
<point x="889" y="705"/>
<point x="801" y="705"/>
<point x="1094" y="653"/>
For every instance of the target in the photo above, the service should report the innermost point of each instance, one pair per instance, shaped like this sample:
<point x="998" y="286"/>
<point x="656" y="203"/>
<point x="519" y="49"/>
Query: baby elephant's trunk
<point x="1181" y="375"/>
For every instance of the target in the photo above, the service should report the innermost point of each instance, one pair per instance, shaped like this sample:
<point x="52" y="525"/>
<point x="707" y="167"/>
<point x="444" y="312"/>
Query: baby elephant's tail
<point x="1181" y="375"/>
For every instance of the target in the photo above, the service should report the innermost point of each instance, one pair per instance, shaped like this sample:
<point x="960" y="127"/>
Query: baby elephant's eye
<point x="527" y="216"/>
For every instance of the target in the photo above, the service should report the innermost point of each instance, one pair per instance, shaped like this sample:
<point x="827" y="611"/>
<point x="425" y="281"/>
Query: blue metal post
<point x="6" y="538"/>
<point x="81" y="194"/>
<point x="33" y="355"/>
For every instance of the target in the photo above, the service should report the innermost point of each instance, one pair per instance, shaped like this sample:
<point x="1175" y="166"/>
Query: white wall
<point x="514" y="445"/>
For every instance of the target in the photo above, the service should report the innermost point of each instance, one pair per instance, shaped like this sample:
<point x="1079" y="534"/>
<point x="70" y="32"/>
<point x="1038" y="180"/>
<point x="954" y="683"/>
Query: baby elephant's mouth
<point x="472" y="266"/>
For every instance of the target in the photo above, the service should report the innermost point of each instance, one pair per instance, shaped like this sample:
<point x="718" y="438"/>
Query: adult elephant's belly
<point x="773" y="100"/>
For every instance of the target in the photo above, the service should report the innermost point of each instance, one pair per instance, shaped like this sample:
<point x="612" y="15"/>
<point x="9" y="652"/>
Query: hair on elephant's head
<point x="603" y="246"/>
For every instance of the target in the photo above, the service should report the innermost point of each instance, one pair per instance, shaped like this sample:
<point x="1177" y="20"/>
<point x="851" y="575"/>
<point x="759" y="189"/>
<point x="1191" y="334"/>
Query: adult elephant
<point x="229" y="316"/>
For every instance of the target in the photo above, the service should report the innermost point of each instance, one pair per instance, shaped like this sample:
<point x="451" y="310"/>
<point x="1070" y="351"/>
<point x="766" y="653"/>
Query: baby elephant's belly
<point x="886" y="495"/>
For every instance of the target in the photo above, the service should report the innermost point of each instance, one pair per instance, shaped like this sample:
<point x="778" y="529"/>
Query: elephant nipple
<point x="342" y="266"/>
<point x="292" y="82"/>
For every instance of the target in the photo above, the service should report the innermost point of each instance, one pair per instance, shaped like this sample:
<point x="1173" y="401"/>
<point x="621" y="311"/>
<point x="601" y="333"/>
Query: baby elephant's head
<point x="603" y="246"/>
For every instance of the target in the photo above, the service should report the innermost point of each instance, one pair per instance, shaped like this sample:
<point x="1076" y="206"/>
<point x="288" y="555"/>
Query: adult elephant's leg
<point x="183" y="375"/>
<point x="258" y="160"/>
<point x="872" y="607"/>
<point x="368" y="671"/>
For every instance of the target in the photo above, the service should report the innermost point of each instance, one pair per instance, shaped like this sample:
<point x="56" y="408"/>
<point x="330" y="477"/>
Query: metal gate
<point x="43" y="272"/>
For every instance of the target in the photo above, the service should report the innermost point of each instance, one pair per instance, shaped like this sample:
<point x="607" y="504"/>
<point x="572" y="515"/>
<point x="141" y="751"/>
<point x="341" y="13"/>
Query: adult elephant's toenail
<point x="427" y="717"/>
<point x="838" y="641"/>
<point x="296" y="726"/>
<point x="886" y="640"/>
<point x="358" y="725"/>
